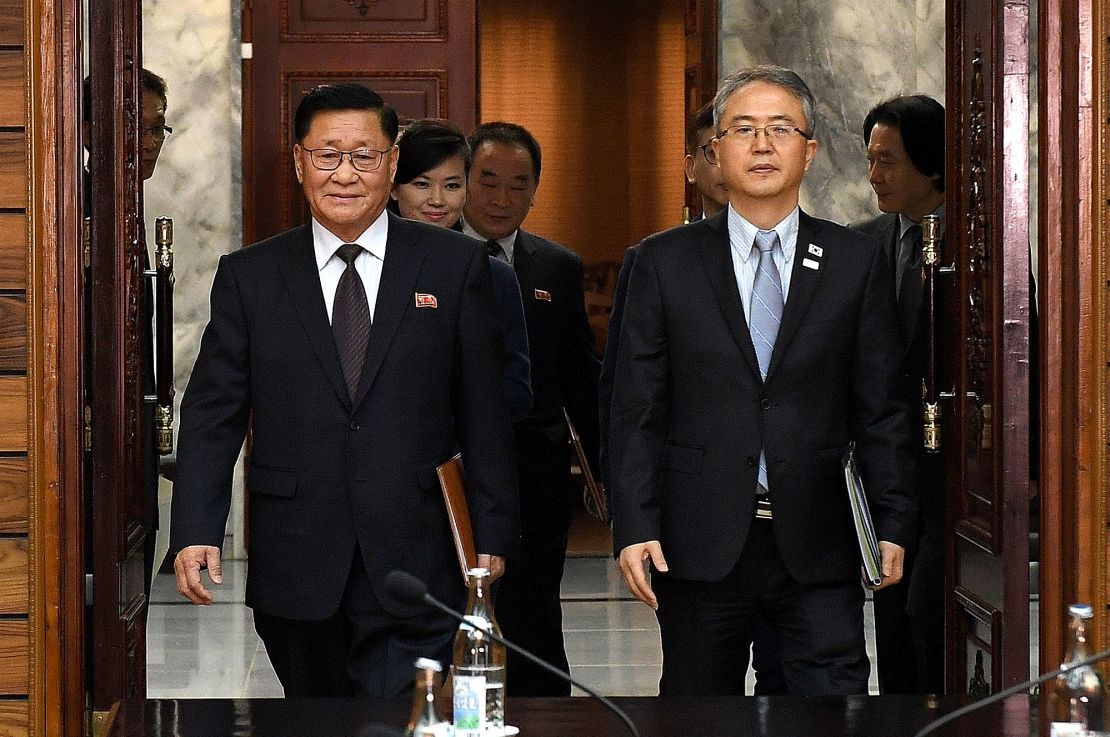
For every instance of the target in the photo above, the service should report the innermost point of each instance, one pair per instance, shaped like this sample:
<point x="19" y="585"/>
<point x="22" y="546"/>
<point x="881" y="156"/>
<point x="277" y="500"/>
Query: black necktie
<point x="909" y="256"/>
<point x="350" y="318"/>
<point x="495" y="250"/>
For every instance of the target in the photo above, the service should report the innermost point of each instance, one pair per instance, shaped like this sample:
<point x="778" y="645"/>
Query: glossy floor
<point x="213" y="652"/>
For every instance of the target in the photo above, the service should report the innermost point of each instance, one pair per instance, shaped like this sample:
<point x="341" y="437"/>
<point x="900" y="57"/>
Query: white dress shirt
<point x="368" y="264"/>
<point x="745" y="258"/>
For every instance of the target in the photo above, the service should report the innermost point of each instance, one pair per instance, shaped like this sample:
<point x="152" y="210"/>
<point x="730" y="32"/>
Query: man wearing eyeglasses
<point x="364" y="351"/>
<point x="756" y="346"/>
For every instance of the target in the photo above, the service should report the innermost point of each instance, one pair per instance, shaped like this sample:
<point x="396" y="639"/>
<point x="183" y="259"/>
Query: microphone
<point x="995" y="698"/>
<point x="409" y="589"/>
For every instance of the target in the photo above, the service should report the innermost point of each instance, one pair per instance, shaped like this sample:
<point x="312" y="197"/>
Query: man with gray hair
<point x="757" y="347"/>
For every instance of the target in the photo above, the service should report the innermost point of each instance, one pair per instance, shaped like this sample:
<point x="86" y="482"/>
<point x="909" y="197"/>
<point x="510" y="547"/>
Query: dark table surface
<point x="870" y="716"/>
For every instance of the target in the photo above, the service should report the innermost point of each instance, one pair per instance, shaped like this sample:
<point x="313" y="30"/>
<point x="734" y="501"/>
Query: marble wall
<point x="194" y="46"/>
<point x="851" y="55"/>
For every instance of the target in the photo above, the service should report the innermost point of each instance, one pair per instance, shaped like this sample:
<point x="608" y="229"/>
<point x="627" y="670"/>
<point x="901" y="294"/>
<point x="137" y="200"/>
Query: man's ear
<point x="297" y="164"/>
<point x="688" y="165"/>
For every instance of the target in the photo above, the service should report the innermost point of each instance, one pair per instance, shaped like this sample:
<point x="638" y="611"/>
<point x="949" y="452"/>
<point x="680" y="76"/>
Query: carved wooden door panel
<point x="986" y="431"/>
<point x="420" y="55"/>
<point x="115" y="360"/>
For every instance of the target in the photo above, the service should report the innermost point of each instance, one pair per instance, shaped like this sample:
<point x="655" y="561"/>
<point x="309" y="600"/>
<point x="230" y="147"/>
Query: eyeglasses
<point x="362" y="159"/>
<point x="775" y="133"/>
<point x="158" y="132"/>
<point x="707" y="151"/>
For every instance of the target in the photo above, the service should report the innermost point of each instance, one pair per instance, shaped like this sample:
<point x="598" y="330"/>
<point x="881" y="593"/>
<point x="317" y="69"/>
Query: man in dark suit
<point x="503" y="179"/>
<point x="757" y="346"/>
<point x="362" y="348"/>
<point x="905" y="155"/>
<point x="714" y="198"/>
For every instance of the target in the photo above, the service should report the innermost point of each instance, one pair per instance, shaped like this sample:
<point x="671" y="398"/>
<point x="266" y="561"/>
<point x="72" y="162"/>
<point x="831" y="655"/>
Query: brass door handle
<point x="163" y="334"/>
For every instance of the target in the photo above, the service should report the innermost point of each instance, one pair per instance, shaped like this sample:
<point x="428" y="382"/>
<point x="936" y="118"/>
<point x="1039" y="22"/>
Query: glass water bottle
<point x="1077" y="692"/>
<point x="478" y="670"/>
<point x="425" y="719"/>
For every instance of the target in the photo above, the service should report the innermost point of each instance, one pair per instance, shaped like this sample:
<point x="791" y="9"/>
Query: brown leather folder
<point x="593" y="493"/>
<point x="451" y="482"/>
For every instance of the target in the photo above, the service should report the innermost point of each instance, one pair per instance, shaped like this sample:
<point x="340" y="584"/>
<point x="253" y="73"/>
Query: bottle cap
<point x="429" y="664"/>
<point x="1083" y="611"/>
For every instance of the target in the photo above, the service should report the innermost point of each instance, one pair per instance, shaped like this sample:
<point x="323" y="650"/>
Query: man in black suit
<point x="757" y="346"/>
<point x="362" y="348"/>
<point x="503" y="179"/>
<point x="714" y="198"/>
<point x="905" y="155"/>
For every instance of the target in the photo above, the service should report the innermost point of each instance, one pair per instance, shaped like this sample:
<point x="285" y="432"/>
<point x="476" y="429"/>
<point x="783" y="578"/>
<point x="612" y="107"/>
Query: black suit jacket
<point x="327" y="471"/>
<point x="690" y="412"/>
<point x="564" y="366"/>
<point x="609" y="362"/>
<point x="930" y="466"/>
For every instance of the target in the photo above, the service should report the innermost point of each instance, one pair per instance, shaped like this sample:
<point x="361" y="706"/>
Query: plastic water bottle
<point x="478" y="669"/>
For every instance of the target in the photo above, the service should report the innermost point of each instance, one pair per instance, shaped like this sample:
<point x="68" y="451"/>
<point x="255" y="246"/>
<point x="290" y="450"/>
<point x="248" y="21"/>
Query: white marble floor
<point x="213" y="652"/>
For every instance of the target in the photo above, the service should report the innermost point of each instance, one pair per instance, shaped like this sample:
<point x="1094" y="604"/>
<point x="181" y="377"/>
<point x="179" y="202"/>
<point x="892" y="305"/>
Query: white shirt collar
<point x="506" y="242"/>
<point x="325" y="243"/>
<point x="742" y="233"/>
<point x="904" y="223"/>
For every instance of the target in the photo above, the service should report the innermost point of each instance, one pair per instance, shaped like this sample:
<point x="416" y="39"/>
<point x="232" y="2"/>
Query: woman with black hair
<point x="430" y="186"/>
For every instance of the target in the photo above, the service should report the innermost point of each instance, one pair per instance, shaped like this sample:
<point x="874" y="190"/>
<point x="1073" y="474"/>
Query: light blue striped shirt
<point x="745" y="258"/>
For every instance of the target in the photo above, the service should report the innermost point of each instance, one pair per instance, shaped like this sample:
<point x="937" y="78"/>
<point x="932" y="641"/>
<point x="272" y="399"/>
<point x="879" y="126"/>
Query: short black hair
<point x="342" y="96"/>
<point x="150" y="81"/>
<point x="920" y="121"/>
<point x="699" y="121"/>
<point x="425" y="144"/>
<point x="513" y="135"/>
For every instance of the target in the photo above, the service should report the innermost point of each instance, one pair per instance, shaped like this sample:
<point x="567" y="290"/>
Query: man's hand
<point x="187" y="566"/>
<point x="495" y="564"/>
<point x="893" y="557"/>
<point x="633" y="561"/>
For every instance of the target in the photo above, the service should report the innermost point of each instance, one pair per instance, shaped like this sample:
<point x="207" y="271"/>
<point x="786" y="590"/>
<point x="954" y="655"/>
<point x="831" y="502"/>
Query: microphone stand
<point x="429" y="599"/>
<point x="995" y="698"/>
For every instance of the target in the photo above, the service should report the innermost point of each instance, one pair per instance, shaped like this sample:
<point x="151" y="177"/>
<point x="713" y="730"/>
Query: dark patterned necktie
<point x="909" y="256"/>
<point x="495" y="250"/>
<point x="350" y="318"/>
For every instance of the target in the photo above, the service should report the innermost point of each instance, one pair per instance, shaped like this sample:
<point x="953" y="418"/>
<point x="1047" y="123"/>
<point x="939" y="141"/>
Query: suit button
<point x="353" y="426"/>
<point x="765" y="404"/>
<point x="752" y="461"/>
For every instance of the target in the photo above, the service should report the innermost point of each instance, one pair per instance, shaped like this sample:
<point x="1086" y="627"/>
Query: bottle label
<point x="1067" y="729"/>
<point x="469" y="704"/>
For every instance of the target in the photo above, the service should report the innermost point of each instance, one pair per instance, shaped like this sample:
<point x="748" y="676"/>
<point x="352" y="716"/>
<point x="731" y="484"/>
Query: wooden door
<point x="420" y="55"/>
<point x="701" y="72"/>
<point x="115" y="359"/>
<point x="986" y="430"/>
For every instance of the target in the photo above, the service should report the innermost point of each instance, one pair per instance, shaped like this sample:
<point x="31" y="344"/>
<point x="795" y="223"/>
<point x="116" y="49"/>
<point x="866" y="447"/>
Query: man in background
<point x="905" y="163"/>
<point x="504" y="175"/>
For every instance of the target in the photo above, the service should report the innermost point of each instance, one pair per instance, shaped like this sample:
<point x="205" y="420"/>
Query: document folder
<point x="593" y="494"/>
<point x="861" y="517"/>
<point x="451" y="482"/>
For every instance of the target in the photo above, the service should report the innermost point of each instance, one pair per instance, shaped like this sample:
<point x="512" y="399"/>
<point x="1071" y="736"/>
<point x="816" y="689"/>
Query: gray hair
<point x="781" y="76"/>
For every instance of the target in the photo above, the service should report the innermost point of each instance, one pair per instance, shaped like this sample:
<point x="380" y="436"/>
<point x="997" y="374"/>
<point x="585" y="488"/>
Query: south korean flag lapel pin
<point x="817" y="252"/>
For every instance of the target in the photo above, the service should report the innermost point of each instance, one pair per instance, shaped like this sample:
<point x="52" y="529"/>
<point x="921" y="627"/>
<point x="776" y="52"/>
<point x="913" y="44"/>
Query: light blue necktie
<point x="766" y="316"/>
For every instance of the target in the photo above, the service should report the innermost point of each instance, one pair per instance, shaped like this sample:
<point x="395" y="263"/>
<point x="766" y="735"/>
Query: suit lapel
<point x="803" y="282"/>
<point x="404" y="255"/>
<point x="716" y="255"/>
<point x="302" y="276"/>
<point x="525" y="266"/>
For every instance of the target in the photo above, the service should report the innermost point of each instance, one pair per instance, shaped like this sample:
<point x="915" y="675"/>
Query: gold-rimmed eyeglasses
<point x="778" y="133"/>
<point x="362" y="159"/>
